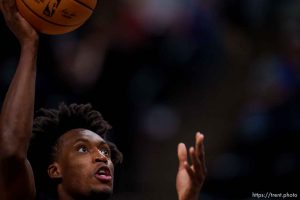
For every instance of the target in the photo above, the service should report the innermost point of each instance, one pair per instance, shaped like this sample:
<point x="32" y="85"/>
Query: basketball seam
<point x="77" y="1"/>
<point x="63" y="25"/>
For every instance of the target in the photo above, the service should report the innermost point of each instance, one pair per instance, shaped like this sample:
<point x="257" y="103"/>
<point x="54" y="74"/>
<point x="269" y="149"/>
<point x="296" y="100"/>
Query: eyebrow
<point x="88" y="141"/>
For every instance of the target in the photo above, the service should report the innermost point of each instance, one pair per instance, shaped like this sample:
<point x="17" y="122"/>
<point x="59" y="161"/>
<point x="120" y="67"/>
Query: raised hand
<point x="17" y="24"/>
<point x="190" y="177"/>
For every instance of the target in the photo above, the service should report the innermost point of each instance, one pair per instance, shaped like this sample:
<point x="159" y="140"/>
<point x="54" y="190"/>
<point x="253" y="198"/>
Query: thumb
<point x="182" y="154"/>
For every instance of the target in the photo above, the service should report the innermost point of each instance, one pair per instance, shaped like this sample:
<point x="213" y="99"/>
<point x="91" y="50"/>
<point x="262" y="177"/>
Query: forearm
<point x="17" y="110"/>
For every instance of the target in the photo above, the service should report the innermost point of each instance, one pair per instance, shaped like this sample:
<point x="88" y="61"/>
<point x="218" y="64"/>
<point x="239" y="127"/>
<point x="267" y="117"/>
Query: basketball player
<point x="72" y="149"/>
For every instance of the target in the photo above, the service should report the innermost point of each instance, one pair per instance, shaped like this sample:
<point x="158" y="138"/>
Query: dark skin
<point x="83" y="164"/>
<point x="17" y="112"/>
<point x="75" y="166"/>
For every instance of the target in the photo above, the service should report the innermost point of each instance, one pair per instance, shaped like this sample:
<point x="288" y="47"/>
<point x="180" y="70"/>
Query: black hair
<point x="49" y="125"/>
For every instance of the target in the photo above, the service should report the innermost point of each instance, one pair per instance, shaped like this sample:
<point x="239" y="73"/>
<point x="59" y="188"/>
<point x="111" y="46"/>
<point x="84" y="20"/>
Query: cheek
<point x="76" y="169"/>
<point x="77" y="176"/>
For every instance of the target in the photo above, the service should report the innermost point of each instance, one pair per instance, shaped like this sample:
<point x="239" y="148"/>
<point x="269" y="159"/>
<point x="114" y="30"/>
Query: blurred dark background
<point x="160" y="70"/>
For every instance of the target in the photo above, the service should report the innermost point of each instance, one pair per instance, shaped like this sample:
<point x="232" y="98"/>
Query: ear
<point x="54" y="171"/>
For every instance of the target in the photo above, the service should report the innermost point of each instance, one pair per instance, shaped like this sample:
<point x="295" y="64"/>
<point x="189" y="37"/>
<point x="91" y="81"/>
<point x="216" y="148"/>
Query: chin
<point x="105" y="189"/>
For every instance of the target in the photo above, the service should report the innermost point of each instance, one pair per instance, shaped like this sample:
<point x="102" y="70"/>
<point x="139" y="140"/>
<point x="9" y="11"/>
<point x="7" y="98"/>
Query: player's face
<point x="85" y="164"/>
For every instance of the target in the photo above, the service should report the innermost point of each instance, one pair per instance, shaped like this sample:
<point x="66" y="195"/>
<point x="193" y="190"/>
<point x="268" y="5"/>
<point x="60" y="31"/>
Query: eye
<point x="82" y="149"/>
<point x="105" y="152"/>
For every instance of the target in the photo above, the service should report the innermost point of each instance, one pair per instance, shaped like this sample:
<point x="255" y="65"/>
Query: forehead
<point x="80" y="134"/>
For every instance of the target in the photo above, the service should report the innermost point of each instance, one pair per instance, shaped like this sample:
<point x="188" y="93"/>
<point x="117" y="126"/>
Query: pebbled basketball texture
<point x="56" y="16"/>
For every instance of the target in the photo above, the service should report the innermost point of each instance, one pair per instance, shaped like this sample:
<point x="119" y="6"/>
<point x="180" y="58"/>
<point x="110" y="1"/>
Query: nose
<point x="99" y="157"/>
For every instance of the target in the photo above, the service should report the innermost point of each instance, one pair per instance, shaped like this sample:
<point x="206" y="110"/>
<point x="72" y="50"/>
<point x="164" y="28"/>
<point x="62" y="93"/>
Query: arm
<point x="190" y="178"/>
<point x="16" y="177"/>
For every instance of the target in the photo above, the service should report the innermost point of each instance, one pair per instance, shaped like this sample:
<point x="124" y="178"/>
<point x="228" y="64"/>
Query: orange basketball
<point x="56" y="16"/>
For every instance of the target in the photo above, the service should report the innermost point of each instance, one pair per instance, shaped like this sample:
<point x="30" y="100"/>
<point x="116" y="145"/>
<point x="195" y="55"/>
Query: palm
<point x="183" y="183"/>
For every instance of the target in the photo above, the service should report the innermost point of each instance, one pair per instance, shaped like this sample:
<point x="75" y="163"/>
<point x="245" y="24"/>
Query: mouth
<point x="103" y="174"/>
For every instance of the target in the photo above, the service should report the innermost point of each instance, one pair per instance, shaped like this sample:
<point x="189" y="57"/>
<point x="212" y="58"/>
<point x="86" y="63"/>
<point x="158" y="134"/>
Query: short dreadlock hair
<point x="50" y="124"/>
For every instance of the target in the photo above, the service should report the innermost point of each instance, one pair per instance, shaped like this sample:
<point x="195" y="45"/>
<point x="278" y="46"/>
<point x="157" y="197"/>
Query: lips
<point x="103" y="174"/>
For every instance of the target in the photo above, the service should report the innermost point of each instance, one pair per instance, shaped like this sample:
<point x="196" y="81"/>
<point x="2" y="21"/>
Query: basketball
<point x="56" y="16"/>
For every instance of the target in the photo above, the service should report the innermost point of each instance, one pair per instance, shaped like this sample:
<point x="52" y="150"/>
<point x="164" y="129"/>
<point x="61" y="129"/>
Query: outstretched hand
<point x="190" y="178"/>
<point x="16" y="23"/>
